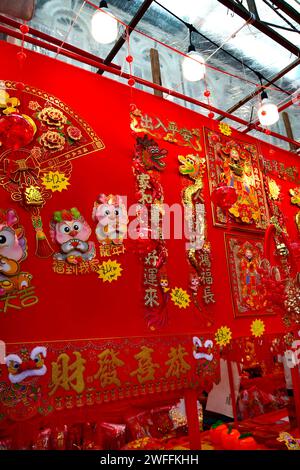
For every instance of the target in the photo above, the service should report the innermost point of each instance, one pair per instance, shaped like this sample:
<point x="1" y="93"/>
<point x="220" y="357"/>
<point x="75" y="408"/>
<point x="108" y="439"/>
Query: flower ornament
<point x="223" y="336"/>
<point x="74" y="133"/>
<point x="52" y="140"/>
<point x="257" y="328"/>
<point x="52" y="117"/>
<point x="33" y="105"/>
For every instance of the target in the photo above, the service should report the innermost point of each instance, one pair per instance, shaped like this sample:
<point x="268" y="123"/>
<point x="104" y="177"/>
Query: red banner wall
<point x="83" y="307"/>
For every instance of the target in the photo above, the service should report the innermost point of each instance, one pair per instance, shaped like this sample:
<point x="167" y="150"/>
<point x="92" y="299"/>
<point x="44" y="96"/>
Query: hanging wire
<point x="275" y="88"/>
<point x="190" y="35"/>
<point x="233" y="35"/>
<point x="281" y="16"/>
<point x="251" y="115"/>
<point x="73" y="22"/>
<point x="190" y="26"/>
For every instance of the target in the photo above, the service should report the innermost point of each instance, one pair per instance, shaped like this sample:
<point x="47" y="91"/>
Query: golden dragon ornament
<point x="193" y="167"/>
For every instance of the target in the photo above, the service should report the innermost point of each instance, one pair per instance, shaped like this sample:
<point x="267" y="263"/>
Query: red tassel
<point x="43" y="248"/>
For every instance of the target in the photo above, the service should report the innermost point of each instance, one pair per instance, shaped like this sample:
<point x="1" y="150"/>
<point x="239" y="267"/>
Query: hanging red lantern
<point x="224" y="197"/>
<point x="24" y="28"/>
<point x="16" y="131"/>
<point x="131" y="81"/>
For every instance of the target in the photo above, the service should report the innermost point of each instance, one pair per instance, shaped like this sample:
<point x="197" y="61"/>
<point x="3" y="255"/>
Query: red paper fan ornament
<point x="39" y="134"/>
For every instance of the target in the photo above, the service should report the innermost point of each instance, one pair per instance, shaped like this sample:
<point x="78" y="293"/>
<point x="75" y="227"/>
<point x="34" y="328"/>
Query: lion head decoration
<point x="69" y="229"/>
<point x="13" y="250"/>
<point x="110" y="214"/>
<point x="20" y="369"/>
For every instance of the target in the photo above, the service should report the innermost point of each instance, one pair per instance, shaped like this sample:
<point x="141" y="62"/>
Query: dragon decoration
<point x="110" y="215"/>
<point x="71" y="232"/>
<point x="295" y="199"/>
<point x="13" y="250"/>
<point x="198" y="250"/>
<point x="148" y="162"/>
<point x="39" y="134"/>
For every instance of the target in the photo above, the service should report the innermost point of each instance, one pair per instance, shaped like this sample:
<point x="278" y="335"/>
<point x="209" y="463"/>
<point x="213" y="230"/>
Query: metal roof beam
<point x="281" y="16"/>
<point x="254" y="124"/>
<point x="240" y="10"/>
<point x="287" y="9"/>
<point x="279" y="26"/>
<point x="133" y="23"/>
<point x="252" y="7"/>
<point x="115" y="71"/>
<point x="258" y="90"/>
<point x="64" y="45"/>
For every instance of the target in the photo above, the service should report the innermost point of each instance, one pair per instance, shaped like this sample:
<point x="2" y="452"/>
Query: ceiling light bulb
<point x="193" y="66"/>
<point x="267" y="112"/>
<point x="104" y="25"/>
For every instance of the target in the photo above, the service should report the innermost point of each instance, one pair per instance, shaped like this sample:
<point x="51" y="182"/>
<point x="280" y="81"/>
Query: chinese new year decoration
<point x="235" y="164"/>
<point x="39" y="134"/>
<point x="71" y="232"/>
<point x="20" y="369"/>
<point x="198" y="251"/>
<point x="149" y="160"/>
<point x="110" y="215"/>
<point x="16" y="290"/>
